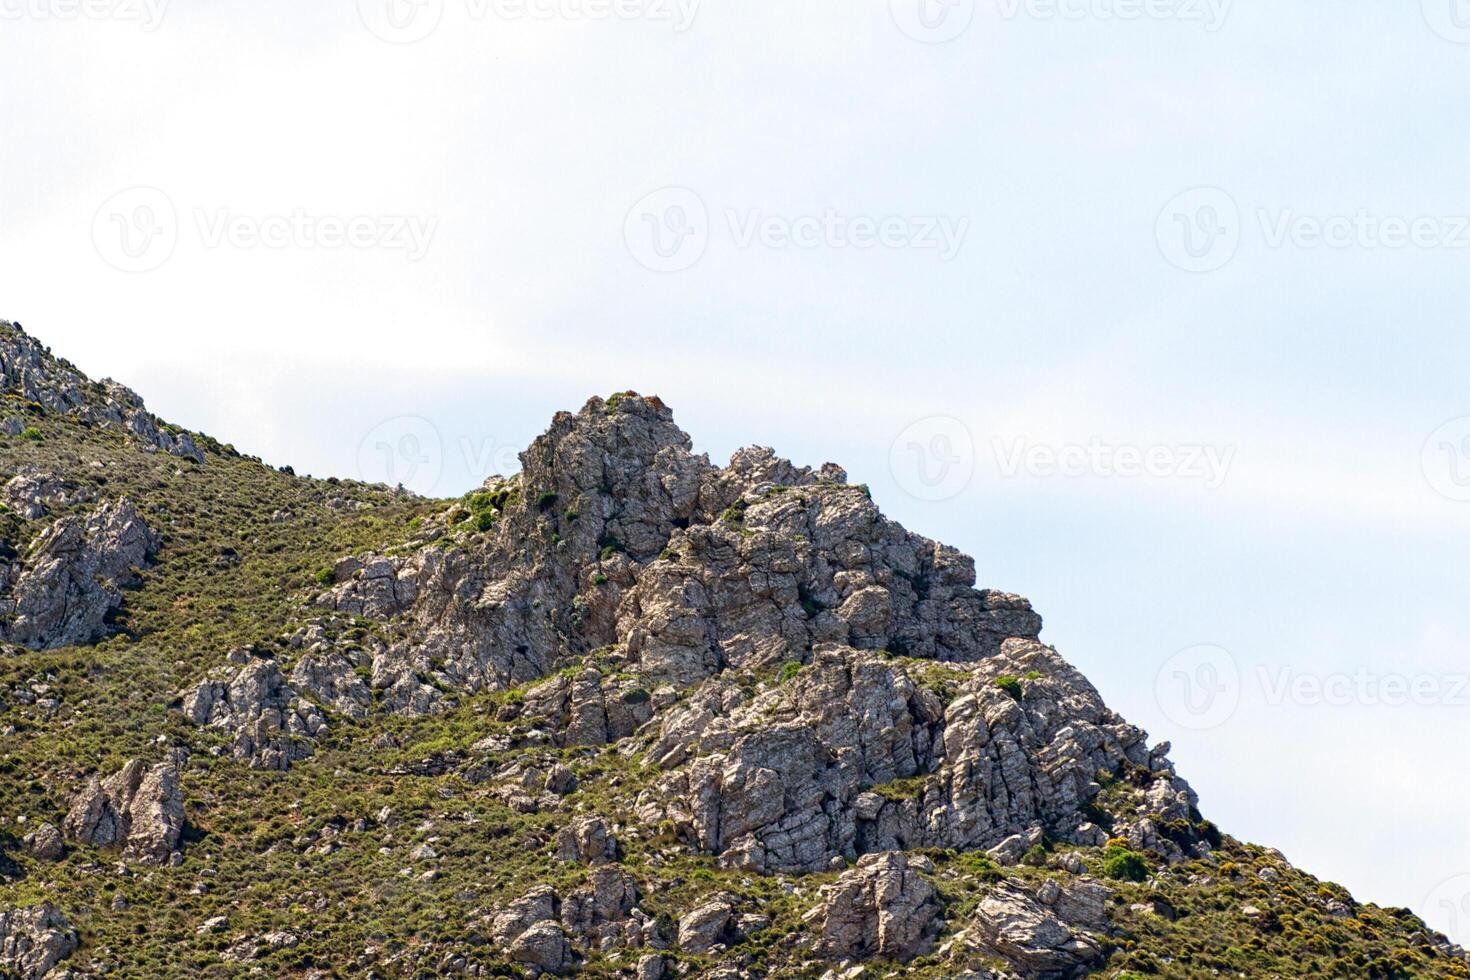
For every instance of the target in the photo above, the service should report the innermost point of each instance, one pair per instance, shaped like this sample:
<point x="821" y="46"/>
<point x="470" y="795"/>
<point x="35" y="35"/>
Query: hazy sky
<point x="1156" y="307"/>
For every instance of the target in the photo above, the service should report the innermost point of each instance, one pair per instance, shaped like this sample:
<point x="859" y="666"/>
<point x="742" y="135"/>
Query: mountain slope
<point x="625" y="713"/>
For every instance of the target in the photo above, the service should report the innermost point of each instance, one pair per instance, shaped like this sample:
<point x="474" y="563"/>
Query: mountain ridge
<point x="623" y="713"/>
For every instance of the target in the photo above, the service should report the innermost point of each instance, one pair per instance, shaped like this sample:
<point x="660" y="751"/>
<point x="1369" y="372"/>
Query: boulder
<point x="33" y="941"/>
<point x="73" y="575"/>
<point x="1047" y="932"/>
<point x="587" y="840"/>
<point x="883" y="907"/>
<point x="138" y="809"/>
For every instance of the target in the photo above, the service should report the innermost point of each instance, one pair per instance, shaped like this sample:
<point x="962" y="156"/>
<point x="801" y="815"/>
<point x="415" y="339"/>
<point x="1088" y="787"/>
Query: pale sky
<point x="1156" y="307"/>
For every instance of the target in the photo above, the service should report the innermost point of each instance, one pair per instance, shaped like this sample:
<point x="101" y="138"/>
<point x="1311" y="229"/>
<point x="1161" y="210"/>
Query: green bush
<point x="1124" y="865"/>
<point x="325" y="576"/>
<point x="1010" y="685"/>
<point x="790" y="669"/>
<point x="32" y="433"/>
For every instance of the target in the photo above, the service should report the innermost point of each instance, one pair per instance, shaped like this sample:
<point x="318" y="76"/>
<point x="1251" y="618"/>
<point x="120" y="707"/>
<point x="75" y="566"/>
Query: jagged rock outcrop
<point x="615" y="533"/>
<point x="32" y="495"/>
<point x="73" y="575"/>
<point x="28" y="370"/>
<point x="138" y="809"/>
<point x="34" y="940"/>
<point x="271" y="724"/>
<point x="787" y="781"/>
<point x="1047" y="932"/>
<point x="587" y="840"/>
<point x="45" y="842"/>
<point x="588" y="709"/>
<point x="601" y="915"/>
<point x="718" y="921"/>
<point x="883" y="907"/>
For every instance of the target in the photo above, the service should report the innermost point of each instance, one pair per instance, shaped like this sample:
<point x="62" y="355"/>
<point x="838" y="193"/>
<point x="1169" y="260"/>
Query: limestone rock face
<point x="32" y="495"/>
<point x="1047" y="932"/>
<point x="73" y="575"/>
<point x="883" y="907"/>
<point x="615" y="533"/>
<point x="28" y="369"/>
<point x="587" y="840"/>
<point x="34" y="940"/>
<point x="138" y="809"/>
<point x="270" y="722"/>
<point x="786" y="781"/>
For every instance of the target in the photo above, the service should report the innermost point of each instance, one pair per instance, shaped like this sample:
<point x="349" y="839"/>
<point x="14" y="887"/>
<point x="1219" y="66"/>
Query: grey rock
<point x="272" y="726"/>
<point x="1047" y="932"/>
<point x="883" y="907"/>
<point x="138" y="809"/>
<point x="587" y="840"/>
<point x="32" y="495"/>
<point x="544" y="948"/>
<point x="73" y="574"/>
<point x="45" y="842"/>
<point x="34" y="940"/>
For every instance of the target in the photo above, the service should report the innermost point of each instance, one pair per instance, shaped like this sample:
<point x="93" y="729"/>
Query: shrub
<point x="1124" y="865"/>
<point x="599" y="579"/>
<point x="1035" y="857"/>
<point x="546" y="500"/>
<point x="32" y="433"/>
<point x="790" y="669"/>
<point x="485" y="520"/>
<point x="1010" y="685"/>
<point x="325" y="576"/>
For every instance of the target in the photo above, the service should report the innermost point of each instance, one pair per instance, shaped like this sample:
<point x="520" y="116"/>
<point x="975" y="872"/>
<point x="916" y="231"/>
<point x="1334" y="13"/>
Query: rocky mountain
<point x="626" y="713"/>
